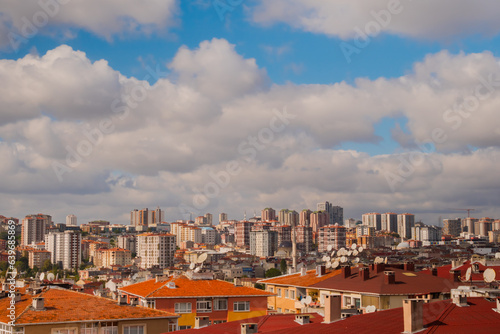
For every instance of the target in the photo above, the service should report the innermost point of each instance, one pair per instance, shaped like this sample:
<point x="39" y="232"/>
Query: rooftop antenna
<point x="192" y="265"/>
<point x="468" y="274"/>
<point x="202" y="258"/>
<point x="51" y="276"/>
<point x="42" y="276"/>
<point x="245" y="216"/>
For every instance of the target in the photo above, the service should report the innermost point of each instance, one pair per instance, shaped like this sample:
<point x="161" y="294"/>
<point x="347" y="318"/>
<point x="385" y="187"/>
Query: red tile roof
<point x="444" y="271"/>
<point x="442" y="317"/>
<point x="65" y="305"/>
<point x="184" y="287"/>
<point x="297" y="280"/>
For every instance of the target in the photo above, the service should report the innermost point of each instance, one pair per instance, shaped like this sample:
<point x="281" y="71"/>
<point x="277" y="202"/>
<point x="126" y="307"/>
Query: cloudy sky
<point x="236" y="105"/>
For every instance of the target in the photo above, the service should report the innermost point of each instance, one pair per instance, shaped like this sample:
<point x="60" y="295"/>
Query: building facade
<point x="156" y="250"/>
<point x="65" y="249"/>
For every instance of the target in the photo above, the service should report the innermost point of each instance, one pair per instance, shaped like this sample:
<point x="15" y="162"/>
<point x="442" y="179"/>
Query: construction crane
<point x="468" y="211"/>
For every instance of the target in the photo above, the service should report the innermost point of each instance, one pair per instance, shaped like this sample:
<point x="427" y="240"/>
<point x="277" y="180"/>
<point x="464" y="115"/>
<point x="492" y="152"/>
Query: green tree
<point x="283" y="266"/>
<point x="260" y="286"/>
<point x="47" y="265"/>
<point x="4" y="235"/>
<point x="22" y="264"/>
<point x="273" y="272"/>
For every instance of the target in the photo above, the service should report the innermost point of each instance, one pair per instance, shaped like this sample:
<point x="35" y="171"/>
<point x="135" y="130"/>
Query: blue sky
<point x="373" y="106"/>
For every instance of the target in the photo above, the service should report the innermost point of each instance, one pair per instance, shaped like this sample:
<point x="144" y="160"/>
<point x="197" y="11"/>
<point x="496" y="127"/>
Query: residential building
<point x="389" y="222"/>
<point x="128" y="242"/>
<point x="263" y="243"/>
<point x="222" y="217"/>
<point x="220" y="301"/>
<point x="268" y="214"/>
<point x="208" y="236"/>
<point x="209" y="219"/>
<point x="304" y="238"/>
<point x="36" y="258"/>
<point x="452" y="227"/>
<point x="362" y="230"/>
<point x="156" y="250"/>
<point x="284" y="233"/>
<point x="112" y="257"/>
<point x="146" y="217"/>
<point x="65" y="249"/>
<point x="333" y="235"/>
<point x="71" y="220"/>
<point x="426" y="233"/>
<point x="34" y="227"/>
<point x="338" y="215"/>
<point x="405" y="222"/>
<point x="372" y="219"/>
<point x="468" y="224"/>
<point x="319" y="219"/>
<point x="288" y="217"/>
<point x="305" y="217"/>
<point x="61" y="311"/>
<point x="186" y="232"/>
<point x="242" y="233"/>
<point x="200" y="221"/>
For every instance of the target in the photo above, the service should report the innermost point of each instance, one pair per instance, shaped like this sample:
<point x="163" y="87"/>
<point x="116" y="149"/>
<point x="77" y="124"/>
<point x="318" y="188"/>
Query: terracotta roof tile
<point x="297" y="280"/>
<point x="184" y="287"/>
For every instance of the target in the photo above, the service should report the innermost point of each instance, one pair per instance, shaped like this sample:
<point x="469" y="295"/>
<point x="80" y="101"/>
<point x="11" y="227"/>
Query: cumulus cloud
<point x="169" y="143"/>
<point x="425" y="19"/>
<point x="20" y="20"/>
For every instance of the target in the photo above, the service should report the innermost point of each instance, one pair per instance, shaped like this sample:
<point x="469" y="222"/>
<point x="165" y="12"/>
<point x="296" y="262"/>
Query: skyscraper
<point x="222" y="217"/>
<point x="65" y="248"/>
<point x="372" y="219"/>
<point x="268" y="214"/>
<point x="34" y="227"/>
<point x="71" y="220"/>
<point x="389" y="222"/>
<point x="405" y="222"/>
<point x="335" y="213"/>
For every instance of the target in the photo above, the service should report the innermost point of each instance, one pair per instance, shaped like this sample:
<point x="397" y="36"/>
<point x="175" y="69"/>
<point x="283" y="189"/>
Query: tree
<point x="47" y="265"/>
<point x="260" y="286"/>
<point x="283" y="266"/>
<point x="273" y="272"/>
<point x="22" y="264"/>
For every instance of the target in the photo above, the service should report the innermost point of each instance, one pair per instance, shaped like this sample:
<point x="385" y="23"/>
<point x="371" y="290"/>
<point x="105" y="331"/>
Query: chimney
<point x="434" y="271"/>
<point x="249" y="328"/>
<point x="455" y="275"/>
<point x="409" y="266"/>
<point x="320" y="270"/>
<point x="201" y="321"/>
<point x="390" y="277"/>
<point x="379" y="267"/>
<point x="303" y="271"/>
<point x="346" y="271"/>
<point x="17" y="297"/>
<point x="364" y="273"/>
<point x="302" y="319"/>
<point x="38" y="303"/>
<point x="332" y="308"/>
<point x="460" y="300"/>
<point x="498" y="305"/>
<point x="237" y="281"/>
<point x="413" y="315"/>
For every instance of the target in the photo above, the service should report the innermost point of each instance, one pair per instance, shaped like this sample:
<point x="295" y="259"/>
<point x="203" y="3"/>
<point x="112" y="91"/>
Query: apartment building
<point x="263" y="243"/>
<point x="156" y="250"/>
<point x="333" y="235"/>
<point x="112" y="257"/>
<point x="34" y="228"/>
<point x="65" y="248"/>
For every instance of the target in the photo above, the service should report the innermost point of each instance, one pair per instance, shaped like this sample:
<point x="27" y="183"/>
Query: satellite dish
<point x="329" y="248"/>
<point x="202" y="258"/>
<point x="355" y="261"/>
<point x="37" y="276"/>
<point x="343" y="259"/>
<point x="197" y="270"/>
<point x="323" y="258"/>
<point x="354" y="246"/>
<point x="333" y="253"/>
<point x="335" y="264"/>
<point x="385" y="261"/>
<point x="349" y="253"/>
<point x="370" y="309"/>
<point x="192" y="265"/>
<point x="489" y="275"/>
<point x="342" y="250"/>
<point x="360" y="249"/>
<point x="497" y="255"/>
<point x="355" y="253"/>
<point x="327" y="259"/>
<point x="328" y="265"/>
<point x="42" y="276"/>
<point x="468" y="274"/>
<point x="308" y="300"/>
<point x="51" y="276"/>
<point x="57" y="276"/>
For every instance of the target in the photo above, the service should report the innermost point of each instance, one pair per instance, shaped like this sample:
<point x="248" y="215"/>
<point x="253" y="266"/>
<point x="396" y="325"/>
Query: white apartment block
<point x="71" y="220"/>
<point x="156" y="250"/>
<point x="208" y="235"/>
<point x="185" y="232"/>
<point x="65" y="248"/>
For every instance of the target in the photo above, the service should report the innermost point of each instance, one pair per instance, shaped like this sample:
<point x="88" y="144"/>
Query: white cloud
<point x="425" y="19"/>
<point x="184" y="129"/>
<point x="103" y="18"/>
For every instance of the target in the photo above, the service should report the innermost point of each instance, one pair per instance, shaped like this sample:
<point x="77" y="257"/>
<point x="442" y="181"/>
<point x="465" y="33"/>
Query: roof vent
<point x="249" y="328"/>
<point x="302" y="319"/>
<point x="460" y="300"/>
<point x="171" y="285"/>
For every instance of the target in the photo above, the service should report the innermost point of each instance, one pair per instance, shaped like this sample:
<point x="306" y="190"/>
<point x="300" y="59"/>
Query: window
<point x="241" y="306"/>
<point x="271" y="289"/>
<point x="292" y="294"/>
<point x="204" y="306"/>
<point x="182" y="307"/>
<point x="89" y="328"/>
<point x="357" y="302"/>
<point x="64" y="331"/>
<point x="279" y="292"/>
<point x="286" y="293"/>
<point x="151" y="303"/>
<point x="134" y="329"/>
<point x="347" y="301"/>
<point x="184" y="327"/>
<point x="219" y="322"/>
<point x="220" y="304"/>
<point x="279" y="309"/>
<point x="109" y="328"/>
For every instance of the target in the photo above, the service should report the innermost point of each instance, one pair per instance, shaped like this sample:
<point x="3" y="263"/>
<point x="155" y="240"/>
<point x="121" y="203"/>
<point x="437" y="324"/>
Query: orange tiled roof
<point x="308" y="279"/>
<point x="184" y="287"/>
<point x="65" y="305"/>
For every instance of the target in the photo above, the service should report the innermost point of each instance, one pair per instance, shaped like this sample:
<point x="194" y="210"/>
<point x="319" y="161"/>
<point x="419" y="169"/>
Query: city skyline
<point x="199" y="108"/>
